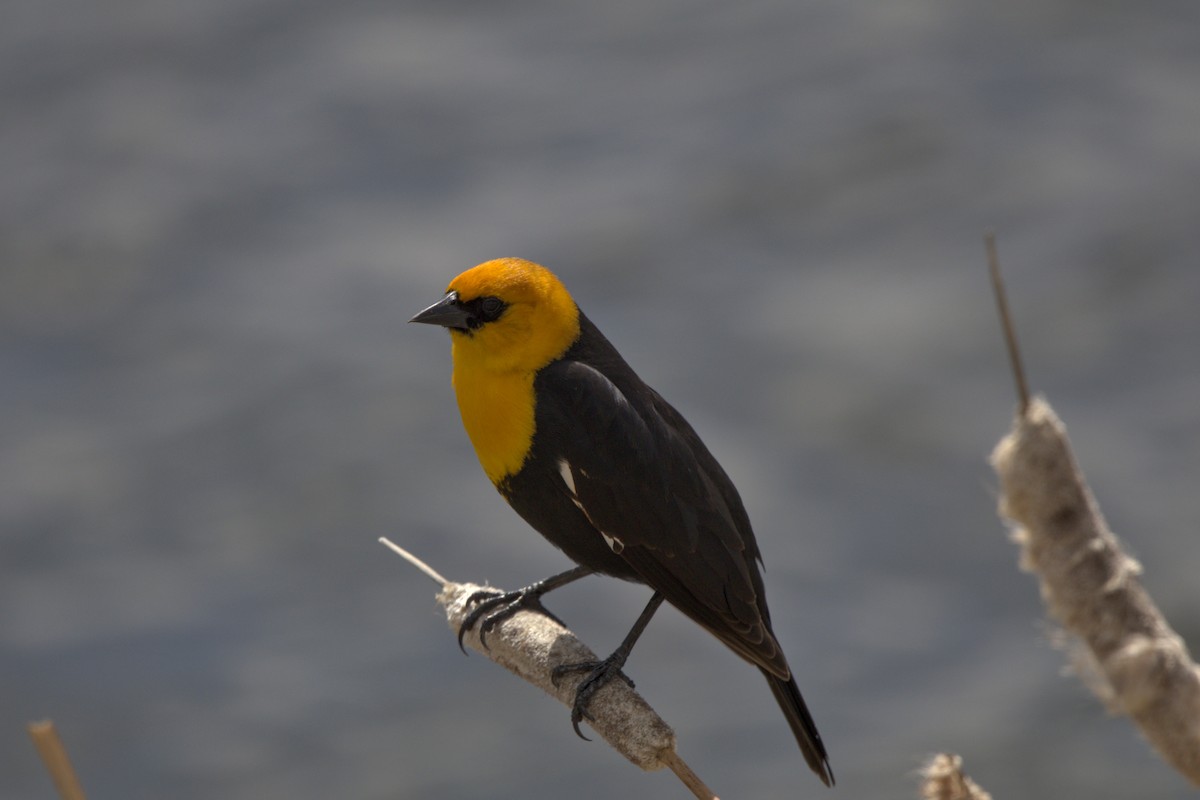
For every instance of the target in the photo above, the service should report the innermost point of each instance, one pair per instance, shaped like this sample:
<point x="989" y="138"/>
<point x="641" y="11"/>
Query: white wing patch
<point x="613" y="542"/>
<point x="564" y="470"/>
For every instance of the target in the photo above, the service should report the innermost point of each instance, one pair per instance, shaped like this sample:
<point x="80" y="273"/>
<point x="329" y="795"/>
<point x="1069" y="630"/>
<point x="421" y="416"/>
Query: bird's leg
<point x="601" y="672"/>
<point x="494" y="607"/>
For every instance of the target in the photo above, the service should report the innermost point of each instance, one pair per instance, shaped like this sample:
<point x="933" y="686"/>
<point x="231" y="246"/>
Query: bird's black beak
<point x="446" y="312"/>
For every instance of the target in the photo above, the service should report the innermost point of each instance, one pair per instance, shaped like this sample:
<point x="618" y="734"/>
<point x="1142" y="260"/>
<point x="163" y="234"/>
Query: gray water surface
<point x="215" y="218"/>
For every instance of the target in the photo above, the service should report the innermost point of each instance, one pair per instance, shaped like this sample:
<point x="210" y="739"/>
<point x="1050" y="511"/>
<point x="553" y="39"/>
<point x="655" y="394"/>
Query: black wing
<point x="650" y="487"/>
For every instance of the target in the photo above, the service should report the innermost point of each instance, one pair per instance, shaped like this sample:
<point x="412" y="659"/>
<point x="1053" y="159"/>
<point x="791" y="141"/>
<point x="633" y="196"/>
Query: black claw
<point x="575" y="720"/>
<point x="594" y="667"/>
<point x="473" y="617"/>
<point x="598" y="674"/>
<point x="494" y="607"/>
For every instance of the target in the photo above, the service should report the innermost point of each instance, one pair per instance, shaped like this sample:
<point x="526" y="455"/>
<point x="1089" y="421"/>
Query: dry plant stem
<point x="689" y="779"/>
<point x="1091" y="586"/>
<point x="1010" y="333"/>
<point x="942" y="778"/>
<point x="531" y="645"/>
<point x="54" y="756"/>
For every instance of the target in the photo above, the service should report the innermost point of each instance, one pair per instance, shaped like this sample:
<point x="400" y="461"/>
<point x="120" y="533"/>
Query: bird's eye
<point x="490" y="308"/>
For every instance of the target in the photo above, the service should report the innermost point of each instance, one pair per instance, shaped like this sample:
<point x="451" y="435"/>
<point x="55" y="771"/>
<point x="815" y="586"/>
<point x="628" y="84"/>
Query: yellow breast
<point x="497" y="411"/>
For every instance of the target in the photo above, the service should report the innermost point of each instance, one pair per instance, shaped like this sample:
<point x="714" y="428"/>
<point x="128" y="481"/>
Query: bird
<point x="607" y="471"/>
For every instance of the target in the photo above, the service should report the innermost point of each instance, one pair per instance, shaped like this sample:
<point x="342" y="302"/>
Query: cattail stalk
<point x="531" y="645"/>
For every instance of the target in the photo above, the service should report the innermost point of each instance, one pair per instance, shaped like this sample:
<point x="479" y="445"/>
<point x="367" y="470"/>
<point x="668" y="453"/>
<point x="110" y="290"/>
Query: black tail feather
<point x="787" y="694"/>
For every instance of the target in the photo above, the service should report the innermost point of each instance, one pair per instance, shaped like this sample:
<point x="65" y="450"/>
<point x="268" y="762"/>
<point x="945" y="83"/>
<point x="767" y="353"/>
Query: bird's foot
<point x="598" y="674"/>
<point x="491" y="607"/>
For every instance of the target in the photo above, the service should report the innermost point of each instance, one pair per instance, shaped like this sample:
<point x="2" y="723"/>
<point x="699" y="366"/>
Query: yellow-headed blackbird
<point x="607" y="470"/>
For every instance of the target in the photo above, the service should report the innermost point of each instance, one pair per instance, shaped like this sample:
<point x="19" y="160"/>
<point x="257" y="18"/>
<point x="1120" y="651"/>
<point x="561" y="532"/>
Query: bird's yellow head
<point x="507" y="319"/>
<point x="507" y="315"/>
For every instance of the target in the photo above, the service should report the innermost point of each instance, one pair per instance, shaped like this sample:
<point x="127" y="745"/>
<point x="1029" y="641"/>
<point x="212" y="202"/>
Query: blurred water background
<point x="215" y="218"/>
